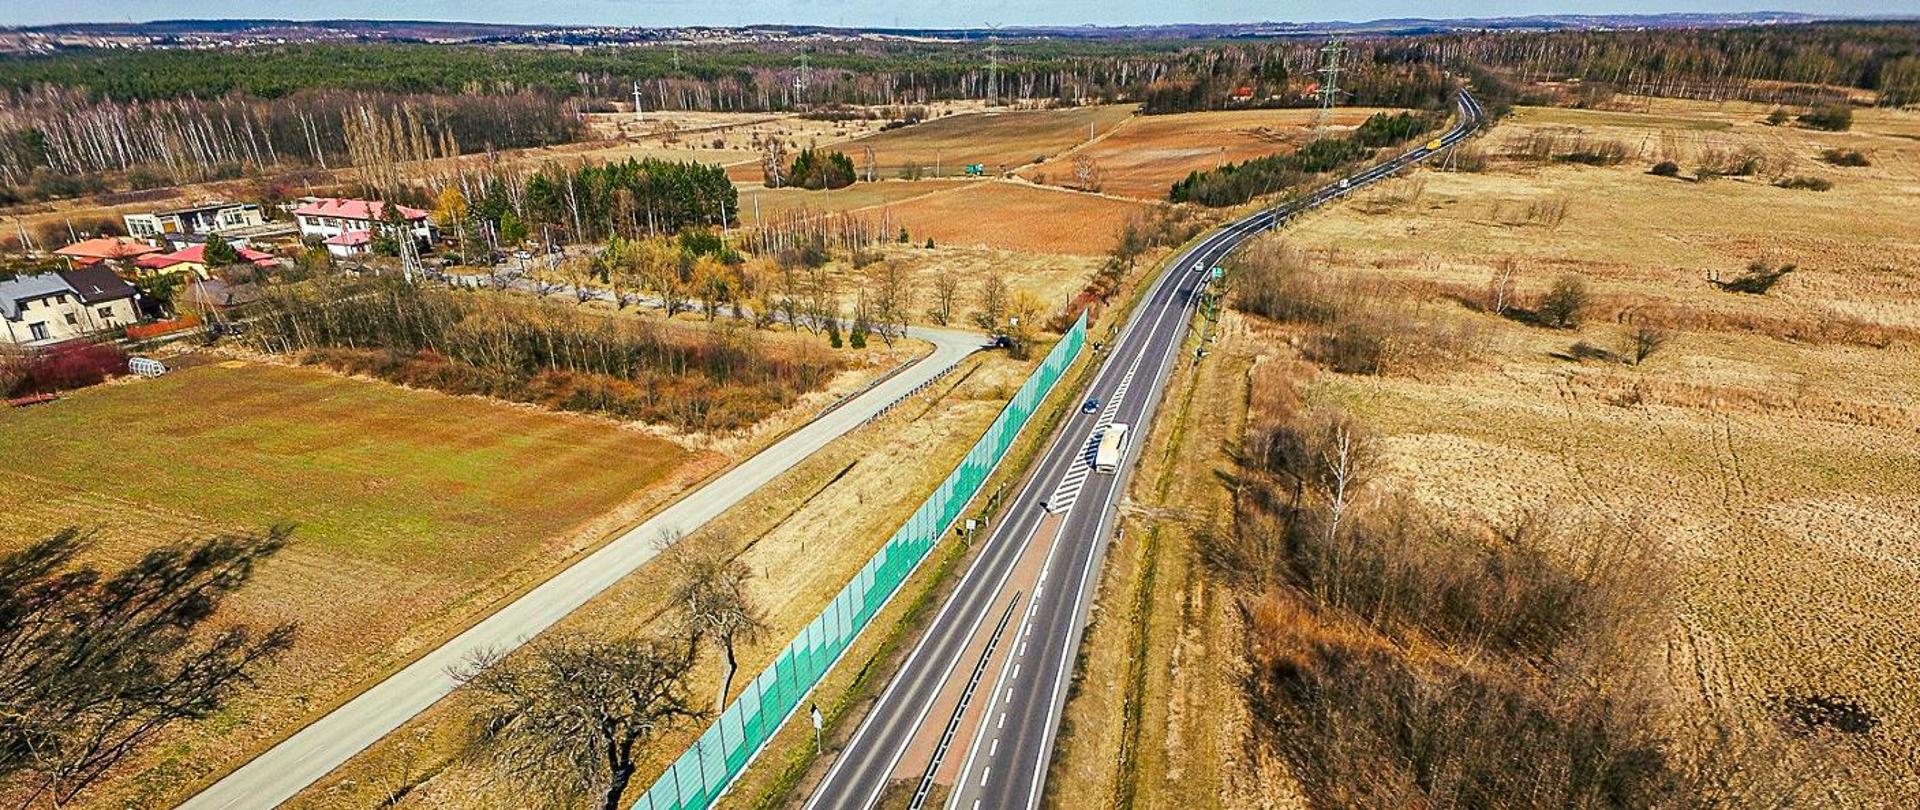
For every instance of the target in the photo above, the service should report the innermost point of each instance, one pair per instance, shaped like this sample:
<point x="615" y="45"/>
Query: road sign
<point x="1218" y="272"/>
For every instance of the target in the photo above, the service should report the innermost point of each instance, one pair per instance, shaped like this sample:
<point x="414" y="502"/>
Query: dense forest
<point x="1875" y="57"/>
<point x="83" y="121"/>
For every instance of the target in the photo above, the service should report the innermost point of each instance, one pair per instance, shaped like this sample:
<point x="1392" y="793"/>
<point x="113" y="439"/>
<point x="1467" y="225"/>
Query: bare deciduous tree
<point x="892" y="292"/>
<point x="711" y="593"/>
<point x="1500" y="286"/>
<point x="992" y="314"/>
<point x="569" y="715"/>
<point x="946" y="292"/>
<point x="1086" y="172"/>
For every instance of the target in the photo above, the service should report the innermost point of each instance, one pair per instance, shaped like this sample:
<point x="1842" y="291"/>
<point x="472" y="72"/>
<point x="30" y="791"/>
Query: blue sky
<point x="925" y="13"/>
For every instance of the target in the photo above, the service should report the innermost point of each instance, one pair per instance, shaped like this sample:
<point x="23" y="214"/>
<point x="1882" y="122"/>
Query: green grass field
<point x="415" y="509"/>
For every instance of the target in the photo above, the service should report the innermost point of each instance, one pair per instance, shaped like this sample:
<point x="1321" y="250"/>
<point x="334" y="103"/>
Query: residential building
<point x="192" y="259"/>
<point x="111" y="250"/>
<point x="195" y="219"/>
<point x="347" y="227"/>
<point x="52" y="307"/>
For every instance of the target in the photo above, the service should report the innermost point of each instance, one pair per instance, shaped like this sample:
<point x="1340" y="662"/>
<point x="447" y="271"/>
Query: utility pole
<point x="637" y="114"/>
<point x="1330" y="55"/>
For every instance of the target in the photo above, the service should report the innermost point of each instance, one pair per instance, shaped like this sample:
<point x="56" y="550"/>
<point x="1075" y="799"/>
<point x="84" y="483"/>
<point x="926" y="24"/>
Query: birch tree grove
<point x="62" y="131"/>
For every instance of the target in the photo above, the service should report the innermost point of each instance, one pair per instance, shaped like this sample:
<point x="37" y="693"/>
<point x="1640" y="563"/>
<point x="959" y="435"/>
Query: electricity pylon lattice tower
<point x="993" y="64"/>
<point x="1330" y="55"/>
<point x="803" y="75"/>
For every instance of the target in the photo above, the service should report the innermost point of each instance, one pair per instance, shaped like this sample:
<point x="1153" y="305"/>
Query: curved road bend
<point x="300" y="760"/>
<point x="1058" y="524"/>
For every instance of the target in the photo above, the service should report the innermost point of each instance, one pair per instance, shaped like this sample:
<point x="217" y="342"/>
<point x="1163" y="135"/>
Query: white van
<point x="1113" y="445"/>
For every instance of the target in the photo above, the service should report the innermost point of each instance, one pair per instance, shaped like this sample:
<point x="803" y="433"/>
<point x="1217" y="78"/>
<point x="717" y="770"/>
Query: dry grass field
<point x="1000" y="141"/>
<point x="415" y="510"/>
<point x="1144" y="155"/>
<point x="1772" y="447"/>
<point x="1011" y="215"/>
<point x="803" y="537"/>
<point x="761" y="204"/>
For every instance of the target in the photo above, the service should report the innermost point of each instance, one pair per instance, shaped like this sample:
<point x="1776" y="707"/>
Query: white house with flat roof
<point x="193" y="219"/>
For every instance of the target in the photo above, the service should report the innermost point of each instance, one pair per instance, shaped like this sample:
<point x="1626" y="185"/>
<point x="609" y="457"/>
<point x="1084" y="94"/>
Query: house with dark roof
<point x="52" y="307"/>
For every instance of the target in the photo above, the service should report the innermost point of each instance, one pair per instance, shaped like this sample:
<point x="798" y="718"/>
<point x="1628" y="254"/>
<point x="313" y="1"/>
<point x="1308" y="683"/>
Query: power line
<point x="1330" y="55"/>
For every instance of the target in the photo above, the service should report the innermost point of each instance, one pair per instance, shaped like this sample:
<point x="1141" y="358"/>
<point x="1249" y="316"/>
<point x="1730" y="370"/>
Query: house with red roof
<point x="113" y="250"/>
<point x="347" y="227"/>
<point x="193" y="259"/>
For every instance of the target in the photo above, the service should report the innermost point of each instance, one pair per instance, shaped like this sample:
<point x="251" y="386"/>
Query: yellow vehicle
<point x="1433" y="145"/>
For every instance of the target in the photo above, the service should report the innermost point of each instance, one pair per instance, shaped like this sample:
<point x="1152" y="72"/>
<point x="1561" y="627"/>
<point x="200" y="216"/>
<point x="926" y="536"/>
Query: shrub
<point x="1745" y="162"/>
<point x="1665" y="168"/>
<point x="1757" y="280"/>
<point x="1564" y="303"/>
<point x="1353" y="346"/>
<point x="66" y="366"/>
<point x="1829" y="117"/>
<point x="1779" y="116"/>
<point x="1845" y="157"/>
<point x="1595" y="153"/>
<point x="1805" y="182"/>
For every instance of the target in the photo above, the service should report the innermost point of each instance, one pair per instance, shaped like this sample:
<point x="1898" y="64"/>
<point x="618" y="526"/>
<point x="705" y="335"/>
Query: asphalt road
<point x="280" y="772"/>
<point x="1006" y="763"/>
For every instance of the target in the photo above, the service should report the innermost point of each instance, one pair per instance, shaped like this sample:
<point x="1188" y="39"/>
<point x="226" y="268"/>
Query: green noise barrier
<point x="699" y="776"/>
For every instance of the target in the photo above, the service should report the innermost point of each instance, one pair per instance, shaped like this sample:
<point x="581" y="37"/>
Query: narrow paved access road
<point x="976" y="705"/>
<point x="300" y="760"/>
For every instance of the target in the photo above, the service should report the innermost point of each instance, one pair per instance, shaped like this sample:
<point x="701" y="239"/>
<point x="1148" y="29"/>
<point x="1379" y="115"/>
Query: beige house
<point x="52" y="307"/>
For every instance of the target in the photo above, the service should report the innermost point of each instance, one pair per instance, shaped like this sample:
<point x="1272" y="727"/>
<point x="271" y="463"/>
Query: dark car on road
<point x="1090" y="406"/>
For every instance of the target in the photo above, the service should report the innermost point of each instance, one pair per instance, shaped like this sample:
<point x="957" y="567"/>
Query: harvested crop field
<point x="1770" y="444"/>
<point x="415" y="511"/>
<point x="1010" y="215"/>
<point x="1146" y="154"/>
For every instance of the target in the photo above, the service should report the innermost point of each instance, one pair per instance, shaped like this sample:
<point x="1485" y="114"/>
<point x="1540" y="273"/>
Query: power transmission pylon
<point x="993" y="64"/>
<point x="803" y="75"/>
<point x="1330" y="55"/>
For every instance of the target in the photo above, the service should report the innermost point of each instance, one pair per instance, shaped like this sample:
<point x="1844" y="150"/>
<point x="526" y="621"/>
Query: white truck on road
<point x="1113" y="445"/>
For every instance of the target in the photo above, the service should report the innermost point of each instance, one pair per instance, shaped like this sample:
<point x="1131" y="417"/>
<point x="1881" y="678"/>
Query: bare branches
<point x="713" y="602"/>
<point x="568" y="715"/>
